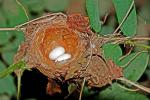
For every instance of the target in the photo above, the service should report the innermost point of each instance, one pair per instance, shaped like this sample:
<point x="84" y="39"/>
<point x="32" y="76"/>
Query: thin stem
<point x="131" y="59"/>
<point x="134" y="84"/>
<point x="19" y="83"/>
<point x="19" y="3"/>
<point x="125" y="17"/>
<point x="128" y="89"/>
<point x="18" y="86"/>
<point x="141" y="38"/>
<point x="39" y="18"/>
<point x="91" y="52"/>
<point x="127" y="38"/>
<point x="83" y="83"/>
<point x="138" y="44"/>
<point x="7" y="29"/>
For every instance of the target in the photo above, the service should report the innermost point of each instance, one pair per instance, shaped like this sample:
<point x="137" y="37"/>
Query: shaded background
<point x="33" y="82"/>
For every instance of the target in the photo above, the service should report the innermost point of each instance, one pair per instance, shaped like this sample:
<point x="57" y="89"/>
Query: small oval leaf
<point x="112" y="51"/>
<point x="135" y="67"/>
<point x="8" y="56"/>
<point x="92" y="8"/>
<point x="7" y="84"/>
<point x="13" y="13"/>
<point x="56" y="5"/>
<point x="107" y="30"/>
<point x="4" y="36"/>
<point x="130" y="24"/>
<point x="117" y="93"/>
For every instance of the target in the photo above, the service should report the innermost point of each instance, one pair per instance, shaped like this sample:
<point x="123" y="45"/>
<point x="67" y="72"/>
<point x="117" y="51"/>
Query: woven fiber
<point x="73" y="33"/>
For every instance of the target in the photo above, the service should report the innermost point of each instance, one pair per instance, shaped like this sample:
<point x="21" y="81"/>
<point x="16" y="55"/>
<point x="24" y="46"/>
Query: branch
<point x="19" y="83"/>
<point x="137" y="44"/>
<point x="11" y="69"/>
<point x="7" y="29"/>
<point x="126" y="38"/>
<point x="82" y="86"/>
<point x="134" y="84"/>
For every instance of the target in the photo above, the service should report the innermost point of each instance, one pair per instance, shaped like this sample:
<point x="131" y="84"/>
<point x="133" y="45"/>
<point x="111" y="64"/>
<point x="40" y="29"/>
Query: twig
<point x="141" y="38"/>
<point x="91" y="53"/>
<point x="134" y="84"/>
<point x="36" y="19"/>
<point x="19" y="83"/>
<point x="105" y="18"/>
<point x="132" y="59"/>
<point x="125" y="17"/>
<point x="127" y="38"/>
<point x="19" y="3"/>
<point x="7" y="29"/>
<point x="138" y="44"/>
<point x="83" y="83"/>
<point x="128" y="89"/>
<point x="121" y="58"/>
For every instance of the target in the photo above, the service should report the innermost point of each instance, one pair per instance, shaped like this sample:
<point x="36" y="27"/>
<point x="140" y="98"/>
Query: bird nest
<point x="73" y="34"/>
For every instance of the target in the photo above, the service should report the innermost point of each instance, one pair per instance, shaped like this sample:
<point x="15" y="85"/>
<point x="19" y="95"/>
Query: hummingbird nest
<point x="73" y="34"/>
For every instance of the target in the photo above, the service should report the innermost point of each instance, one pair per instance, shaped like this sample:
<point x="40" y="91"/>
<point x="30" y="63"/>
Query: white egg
<point x="93" y="46"/>
<point x="56" y="52"/>
<point x="63" y="57"/>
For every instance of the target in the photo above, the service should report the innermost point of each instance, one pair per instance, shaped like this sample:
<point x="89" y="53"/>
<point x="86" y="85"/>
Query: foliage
<point x="117" y="93"/>
<point x="136" y="64"/>
<point x="112" y="51"/>
<point x="7" y="84"/>
<point x="133" y="64"/>
<point x="93" y="13"/>
<point x="130" y="24"/>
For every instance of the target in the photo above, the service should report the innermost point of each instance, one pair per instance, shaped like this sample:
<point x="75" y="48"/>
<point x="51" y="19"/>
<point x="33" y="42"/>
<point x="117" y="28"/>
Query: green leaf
<point x="14" y="13"/>
<point x="71" y="88"/>
<point x="2" y="19"/>
<point x="112" y="51"/>
<point x="117" y="93"/>
<point x="19" y="37"/>
<point x="7" y="84"/>
<point x="136" y="67"/>
<point x="93" y="13"/>
<point x="8" y="56"/>
<point x="106" y="30"/>
<point x="4" y="36"/>
<point x="34" y="5"/>
<point x="130" y="24"/>
<point x="88" y="92"/>
<point x="56" y="5"/>
<point x="144" y="12"/>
